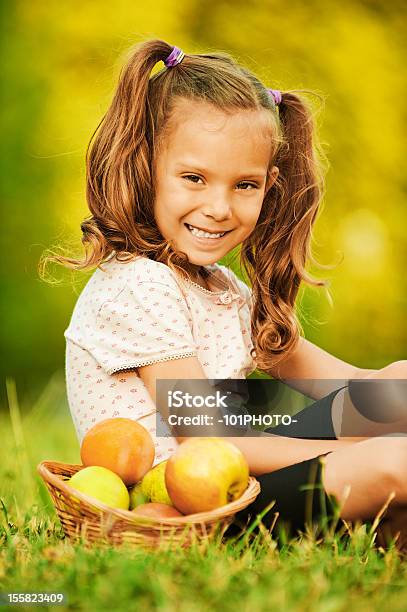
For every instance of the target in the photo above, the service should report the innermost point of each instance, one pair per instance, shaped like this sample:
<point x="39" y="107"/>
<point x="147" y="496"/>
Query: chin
<point x="199" y="259"/>
<point x="204" y="260"/>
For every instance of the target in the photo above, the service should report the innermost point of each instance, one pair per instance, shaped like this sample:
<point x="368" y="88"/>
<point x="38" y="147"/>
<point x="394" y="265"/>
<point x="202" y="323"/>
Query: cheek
<point x="251" y="216"/>
<point x="172" y="196"/>
<point x="171" y="211"/>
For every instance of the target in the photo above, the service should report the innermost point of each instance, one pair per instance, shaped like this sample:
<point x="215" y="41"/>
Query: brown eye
<point x="246" y="184"/>
<point x="192" y="177"/>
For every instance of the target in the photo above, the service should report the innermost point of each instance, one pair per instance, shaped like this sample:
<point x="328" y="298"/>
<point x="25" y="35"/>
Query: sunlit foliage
<point x="61" y="62"/>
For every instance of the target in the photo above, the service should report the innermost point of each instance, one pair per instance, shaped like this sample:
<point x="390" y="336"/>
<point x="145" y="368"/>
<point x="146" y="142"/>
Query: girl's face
<point x="211" y="173"/>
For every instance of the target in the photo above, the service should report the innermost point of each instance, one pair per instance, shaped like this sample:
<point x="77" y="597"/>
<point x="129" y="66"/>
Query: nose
<point x="218" y="207"/>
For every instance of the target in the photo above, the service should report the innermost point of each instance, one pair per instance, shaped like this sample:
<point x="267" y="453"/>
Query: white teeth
<point x="203" y="234"/>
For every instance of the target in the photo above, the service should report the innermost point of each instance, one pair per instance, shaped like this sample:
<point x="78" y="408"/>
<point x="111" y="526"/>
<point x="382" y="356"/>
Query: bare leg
<point x="364" y="476"/>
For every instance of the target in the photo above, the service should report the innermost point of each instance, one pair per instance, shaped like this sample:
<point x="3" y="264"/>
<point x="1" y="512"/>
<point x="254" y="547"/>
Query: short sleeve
<point x="145" y="323"/>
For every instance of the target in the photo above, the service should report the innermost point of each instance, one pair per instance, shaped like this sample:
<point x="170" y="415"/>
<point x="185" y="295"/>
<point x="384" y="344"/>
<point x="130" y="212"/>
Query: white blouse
<point x="140" y="312"/>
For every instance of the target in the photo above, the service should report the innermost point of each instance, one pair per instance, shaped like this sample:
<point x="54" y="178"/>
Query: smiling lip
<point x="207" y="242"/>
<point x="208" y="230"/>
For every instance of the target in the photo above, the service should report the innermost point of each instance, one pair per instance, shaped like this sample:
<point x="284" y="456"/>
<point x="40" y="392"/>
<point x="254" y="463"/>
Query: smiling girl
<point x="185" y="166"/>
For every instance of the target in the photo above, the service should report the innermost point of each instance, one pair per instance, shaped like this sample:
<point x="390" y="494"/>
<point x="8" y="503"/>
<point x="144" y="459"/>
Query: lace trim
<point x="143" y="362"/>
<point x="190" y="282"/>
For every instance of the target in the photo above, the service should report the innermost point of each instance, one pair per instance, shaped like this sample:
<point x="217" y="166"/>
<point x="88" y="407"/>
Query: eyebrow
<point x="254" y="174"/>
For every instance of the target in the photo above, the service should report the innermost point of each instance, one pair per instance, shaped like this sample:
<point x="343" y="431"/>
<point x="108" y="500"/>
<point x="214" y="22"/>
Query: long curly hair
<point x="120" y="183"/>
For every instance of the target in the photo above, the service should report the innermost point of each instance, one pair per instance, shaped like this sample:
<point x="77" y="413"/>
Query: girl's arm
<point x="265" y="452"/>
<point x="314" y="372"/>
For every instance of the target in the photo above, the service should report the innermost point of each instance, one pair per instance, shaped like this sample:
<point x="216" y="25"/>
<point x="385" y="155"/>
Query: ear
<point x="271" y="177"/>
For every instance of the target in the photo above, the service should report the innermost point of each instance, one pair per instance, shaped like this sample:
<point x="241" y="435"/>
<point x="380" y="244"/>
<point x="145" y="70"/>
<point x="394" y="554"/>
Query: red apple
<point x="206" y="473"/>
<point x="156" y="510"/>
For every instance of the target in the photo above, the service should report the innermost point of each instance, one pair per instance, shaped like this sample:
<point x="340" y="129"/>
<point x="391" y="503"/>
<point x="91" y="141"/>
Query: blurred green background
<point x="60" y="66"/>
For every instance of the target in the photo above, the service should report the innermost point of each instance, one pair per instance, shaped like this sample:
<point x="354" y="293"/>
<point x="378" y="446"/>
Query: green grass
<point x="259" y="572"/>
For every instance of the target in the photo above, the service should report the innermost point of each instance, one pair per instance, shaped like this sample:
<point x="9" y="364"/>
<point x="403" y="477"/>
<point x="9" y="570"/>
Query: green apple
<point x="102" y="484"/>
<point x="153" y="485"/>
<point x="137" y="496"/>
<point x="206" y="473"/>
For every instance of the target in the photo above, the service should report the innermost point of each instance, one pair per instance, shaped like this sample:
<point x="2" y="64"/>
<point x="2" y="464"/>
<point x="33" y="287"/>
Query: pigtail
<point x="119" y="185"/>
<point x="119" y="189"/>
<point x="280" y="246"/>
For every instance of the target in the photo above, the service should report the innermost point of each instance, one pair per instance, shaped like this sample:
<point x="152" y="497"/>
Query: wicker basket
<point x="87" y="520"/>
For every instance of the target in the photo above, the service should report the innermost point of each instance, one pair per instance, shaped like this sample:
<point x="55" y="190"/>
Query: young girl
<point x="185" y="166"/>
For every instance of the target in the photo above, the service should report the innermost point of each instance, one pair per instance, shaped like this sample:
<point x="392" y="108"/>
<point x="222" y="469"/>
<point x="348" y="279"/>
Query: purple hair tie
<point x="175" y="57"/>
<point x="276" y="95"/>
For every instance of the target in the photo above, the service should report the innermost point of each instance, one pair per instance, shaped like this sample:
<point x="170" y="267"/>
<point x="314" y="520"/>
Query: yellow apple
<point x="206" y="473"/>
<point x="101" y="484"/>
<point x="137" y="496"/>
<point x="153" y="485"/>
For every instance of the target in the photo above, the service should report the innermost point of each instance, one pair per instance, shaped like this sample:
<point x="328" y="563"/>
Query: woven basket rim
<point x="251" y="492"/>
